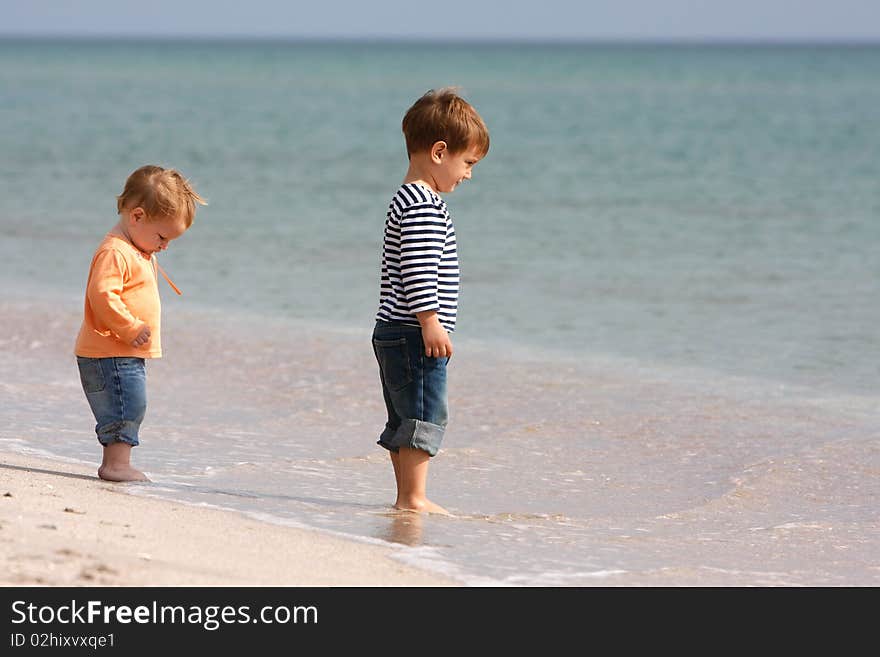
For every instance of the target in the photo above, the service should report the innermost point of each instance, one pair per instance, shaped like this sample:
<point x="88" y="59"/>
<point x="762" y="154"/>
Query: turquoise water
<point x="687" y="204"/>
<point x="669" y="258"/>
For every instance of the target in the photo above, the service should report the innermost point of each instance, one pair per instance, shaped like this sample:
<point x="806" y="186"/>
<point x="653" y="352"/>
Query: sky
<point x="773" y="20"/>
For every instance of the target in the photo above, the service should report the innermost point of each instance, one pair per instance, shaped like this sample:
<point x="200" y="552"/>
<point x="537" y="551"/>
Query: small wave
<point x="516" y="517"/>
<point x="562" y="579"/>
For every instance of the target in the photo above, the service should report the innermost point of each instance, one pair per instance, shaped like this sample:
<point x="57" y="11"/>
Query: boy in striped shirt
<point x="445" y="138"/>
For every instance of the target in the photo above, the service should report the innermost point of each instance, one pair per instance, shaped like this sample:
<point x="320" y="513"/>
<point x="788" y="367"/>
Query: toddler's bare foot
<point x="116" y="464"/>
<point x="121" y="473"/>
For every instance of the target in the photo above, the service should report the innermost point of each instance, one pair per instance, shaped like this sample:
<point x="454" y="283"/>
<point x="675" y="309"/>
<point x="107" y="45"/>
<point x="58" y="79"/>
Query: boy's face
<point x="453" y="168"/>
<point x="152" y="235"/>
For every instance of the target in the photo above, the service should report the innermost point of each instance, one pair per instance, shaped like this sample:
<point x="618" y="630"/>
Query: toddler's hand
<point x="142" y="338"/>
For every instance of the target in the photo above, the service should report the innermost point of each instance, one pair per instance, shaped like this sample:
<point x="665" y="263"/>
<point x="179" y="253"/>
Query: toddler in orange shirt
<point x="121" y="319"/>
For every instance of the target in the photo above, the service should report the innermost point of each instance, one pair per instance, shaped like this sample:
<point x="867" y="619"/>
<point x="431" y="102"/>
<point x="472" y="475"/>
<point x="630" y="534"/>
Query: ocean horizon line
<point x="486" y="40"/>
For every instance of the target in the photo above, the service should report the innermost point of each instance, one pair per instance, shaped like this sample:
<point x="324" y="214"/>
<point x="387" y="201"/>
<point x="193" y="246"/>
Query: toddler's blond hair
<point x="161" y="192"/>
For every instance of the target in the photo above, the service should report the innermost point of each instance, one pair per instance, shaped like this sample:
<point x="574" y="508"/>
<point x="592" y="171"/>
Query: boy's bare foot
<point x="121" y="473"/>
<point x="420" y="506"/>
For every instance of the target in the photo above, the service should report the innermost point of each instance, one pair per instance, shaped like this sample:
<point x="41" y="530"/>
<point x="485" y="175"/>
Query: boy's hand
<point x="435" y="337"/>
<point x="142" y="338"/>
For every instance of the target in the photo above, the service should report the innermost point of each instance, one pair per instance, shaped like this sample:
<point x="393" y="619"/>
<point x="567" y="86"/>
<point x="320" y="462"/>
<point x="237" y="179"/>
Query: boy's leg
<point x="430" y="407"/>
<point x="116" y="464"/>
<point x="395" y="463"/>
<point x="393" y="421"/>
<point x="412" y="481"/>
<point x="414" y="387"/>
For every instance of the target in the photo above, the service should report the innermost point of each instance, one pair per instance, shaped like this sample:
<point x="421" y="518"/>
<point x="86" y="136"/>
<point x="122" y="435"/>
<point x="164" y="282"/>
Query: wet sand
<point x="577" y="472"/>
<point x="62" y="526"/>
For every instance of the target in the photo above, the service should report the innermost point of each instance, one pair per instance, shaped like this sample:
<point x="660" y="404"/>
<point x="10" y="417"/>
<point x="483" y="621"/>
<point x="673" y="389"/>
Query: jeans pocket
<point x="129" y="363"/>
<point x="394" y="362"/>
<point x="91" y="374"/>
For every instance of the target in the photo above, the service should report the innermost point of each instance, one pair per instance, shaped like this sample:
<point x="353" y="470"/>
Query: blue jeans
<point x="116" y="389"/>
<point x="414" y="388"/>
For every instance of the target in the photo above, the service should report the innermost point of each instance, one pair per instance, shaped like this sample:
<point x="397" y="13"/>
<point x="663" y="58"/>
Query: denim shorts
<point x="116" y="389"/>
<point x="414" y="388"/>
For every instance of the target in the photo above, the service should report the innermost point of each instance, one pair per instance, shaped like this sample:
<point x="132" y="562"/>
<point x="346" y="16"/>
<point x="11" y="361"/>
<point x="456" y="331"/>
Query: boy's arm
<point x="436" y="338"/>
<point x="105" y="298"/>
<point x="422" y="236"/>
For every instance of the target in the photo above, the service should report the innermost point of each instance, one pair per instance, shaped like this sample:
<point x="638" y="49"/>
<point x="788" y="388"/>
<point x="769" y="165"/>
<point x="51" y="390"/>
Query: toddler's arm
<point x="142" y="338"/>
<point x="104" y="294"/>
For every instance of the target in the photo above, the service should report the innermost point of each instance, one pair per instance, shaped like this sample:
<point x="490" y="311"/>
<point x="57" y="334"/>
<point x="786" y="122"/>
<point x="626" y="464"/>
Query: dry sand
<point x="62" y="526"/>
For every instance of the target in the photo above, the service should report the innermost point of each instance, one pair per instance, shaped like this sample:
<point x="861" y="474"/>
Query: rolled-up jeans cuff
<point x="122" y="431"/>
<point x="416" y="434"/>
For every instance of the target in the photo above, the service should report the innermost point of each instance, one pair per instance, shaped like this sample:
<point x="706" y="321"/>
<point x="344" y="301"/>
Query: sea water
<point x="666" y="362"/>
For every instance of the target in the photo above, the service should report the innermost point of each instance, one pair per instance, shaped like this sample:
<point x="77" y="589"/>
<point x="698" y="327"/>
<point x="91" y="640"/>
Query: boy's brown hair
<point x="443" y="115"/>
<point x="161" y="193"/>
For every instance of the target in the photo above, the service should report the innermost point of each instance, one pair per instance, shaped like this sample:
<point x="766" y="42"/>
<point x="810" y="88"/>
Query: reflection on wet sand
<point x="404" y="527"/>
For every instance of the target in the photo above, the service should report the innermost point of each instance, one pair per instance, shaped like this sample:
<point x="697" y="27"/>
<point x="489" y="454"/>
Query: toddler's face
<point x="154" y="235"/>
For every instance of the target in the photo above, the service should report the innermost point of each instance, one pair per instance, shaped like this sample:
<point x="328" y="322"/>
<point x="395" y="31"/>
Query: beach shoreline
<point x="594" y="473"/>
<point x="62" y="526"/>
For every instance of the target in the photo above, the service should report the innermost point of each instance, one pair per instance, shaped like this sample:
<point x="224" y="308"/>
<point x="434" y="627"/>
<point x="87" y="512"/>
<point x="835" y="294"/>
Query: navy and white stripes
<point x="419" y="259"/>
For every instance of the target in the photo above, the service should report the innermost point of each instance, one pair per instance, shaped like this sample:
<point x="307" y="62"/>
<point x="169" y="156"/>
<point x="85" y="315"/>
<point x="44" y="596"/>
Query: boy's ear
<point x="137" y="214"/>
<point x="438" y="150"/>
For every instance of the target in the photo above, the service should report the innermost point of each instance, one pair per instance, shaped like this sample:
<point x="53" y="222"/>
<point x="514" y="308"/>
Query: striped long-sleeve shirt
<point x="419" y="259"/>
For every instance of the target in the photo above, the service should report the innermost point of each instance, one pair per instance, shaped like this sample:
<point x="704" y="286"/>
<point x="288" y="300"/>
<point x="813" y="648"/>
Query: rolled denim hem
<point x="123" y="431"/>
<point x="416" y="434"/>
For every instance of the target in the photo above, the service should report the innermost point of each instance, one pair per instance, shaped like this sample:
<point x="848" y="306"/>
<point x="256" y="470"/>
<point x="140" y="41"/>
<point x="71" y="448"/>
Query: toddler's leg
<point x="116" y="465"/>
<point x="116" y="391"/>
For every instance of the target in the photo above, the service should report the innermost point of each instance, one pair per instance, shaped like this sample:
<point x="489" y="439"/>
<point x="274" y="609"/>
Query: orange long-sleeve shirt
<point x="122" y="295"/>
